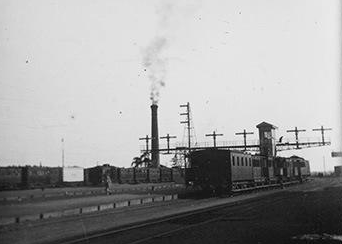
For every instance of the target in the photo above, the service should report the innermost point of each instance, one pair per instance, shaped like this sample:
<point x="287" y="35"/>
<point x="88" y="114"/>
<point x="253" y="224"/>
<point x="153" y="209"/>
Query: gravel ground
<point x="309" y="213"/>
<point x="305" y="216"/>
<point x="305" y="209"/>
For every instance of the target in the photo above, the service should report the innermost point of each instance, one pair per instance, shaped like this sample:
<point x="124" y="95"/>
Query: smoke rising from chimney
<point x="170" y="15"/>
<point x="155" y="65"/>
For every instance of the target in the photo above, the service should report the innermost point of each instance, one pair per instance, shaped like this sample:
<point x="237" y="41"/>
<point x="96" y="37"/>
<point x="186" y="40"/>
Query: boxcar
<point x="153" y="175"/>
<point x="114" y="174"/>
<point x="10" y="177"/>
<point x="97" y="175"/>
<point x="178" y="175"/>
<point x="37" y="176"/>
<point x="126" y="175"/>
<point x="165" y="174"/>
<point x="141" y="175"/>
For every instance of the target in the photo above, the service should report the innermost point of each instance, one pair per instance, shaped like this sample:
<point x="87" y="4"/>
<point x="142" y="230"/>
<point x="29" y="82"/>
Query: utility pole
<point x="214" y="135"/>
<point x="322" y="129"/>
<point x="244" y="133"/>
<point x="62" y="152"/>
<point x="168" y="137"/>
<point x="296" y="133"/>
<point x="146" y="139"/>
<point x="187" y="122"/>
<point x="323" y="165"/>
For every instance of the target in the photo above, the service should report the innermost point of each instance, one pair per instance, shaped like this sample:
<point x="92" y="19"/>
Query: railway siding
<point x="96" y="223"/>
<point x="85" y="210"/>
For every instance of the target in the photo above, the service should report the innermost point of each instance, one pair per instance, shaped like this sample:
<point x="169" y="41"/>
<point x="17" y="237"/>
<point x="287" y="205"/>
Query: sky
<point x="86" y="70"/>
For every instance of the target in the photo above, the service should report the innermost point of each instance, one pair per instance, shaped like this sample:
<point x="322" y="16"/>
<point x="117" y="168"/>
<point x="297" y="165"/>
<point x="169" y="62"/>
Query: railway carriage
<point x="221" y="170"/>
<point x="242" y="174"/>
<point x="300" y="167"/>
<point x="280" y="168"/>
<point x="259" y="162"/>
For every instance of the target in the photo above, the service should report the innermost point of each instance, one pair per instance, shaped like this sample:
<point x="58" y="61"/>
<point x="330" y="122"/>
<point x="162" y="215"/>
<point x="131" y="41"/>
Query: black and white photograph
<point x="170" y="121"/>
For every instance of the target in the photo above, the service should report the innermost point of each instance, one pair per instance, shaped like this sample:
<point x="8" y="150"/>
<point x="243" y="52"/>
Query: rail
<point x="208" y="211"/>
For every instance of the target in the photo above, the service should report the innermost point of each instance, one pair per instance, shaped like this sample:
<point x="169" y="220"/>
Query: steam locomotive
<point x="222" y="170"/>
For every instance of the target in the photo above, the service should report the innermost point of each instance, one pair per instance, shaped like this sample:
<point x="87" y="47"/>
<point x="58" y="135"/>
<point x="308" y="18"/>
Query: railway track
<point x="150" y="230"/>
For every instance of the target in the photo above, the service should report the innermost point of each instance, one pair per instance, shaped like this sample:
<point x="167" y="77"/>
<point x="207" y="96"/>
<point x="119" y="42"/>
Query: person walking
<point x="107" y="184"/>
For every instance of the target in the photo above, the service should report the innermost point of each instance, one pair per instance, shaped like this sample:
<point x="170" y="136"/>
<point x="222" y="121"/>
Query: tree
<point x="142" y="161"/>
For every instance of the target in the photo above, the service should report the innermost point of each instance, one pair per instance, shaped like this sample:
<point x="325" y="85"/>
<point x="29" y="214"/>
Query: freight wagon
<point x="165" y="174"/>
<point x="153" y="175"/>
<point x="126" y="176"/>
<point x="96" y="176"/>
<point x="10" y="178"/>
<point x="36" y="176"/>
<point x="140" y="175"/>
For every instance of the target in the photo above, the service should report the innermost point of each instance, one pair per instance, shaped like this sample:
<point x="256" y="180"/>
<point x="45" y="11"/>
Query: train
<point x="16" y="177"/>
<point x="96" y="176"/>
<point x="223" y="171"/>
<point x="30" y="177"/>
<point x="211" y="169"/>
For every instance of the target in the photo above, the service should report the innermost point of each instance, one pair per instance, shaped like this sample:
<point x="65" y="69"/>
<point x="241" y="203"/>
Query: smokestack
<point x="155" y="136"/>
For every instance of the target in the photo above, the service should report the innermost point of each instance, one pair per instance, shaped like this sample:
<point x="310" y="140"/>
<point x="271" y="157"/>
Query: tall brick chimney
<point x="155" y="136"/>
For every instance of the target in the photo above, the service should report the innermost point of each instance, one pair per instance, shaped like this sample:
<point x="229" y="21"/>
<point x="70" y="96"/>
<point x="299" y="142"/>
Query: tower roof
<point x="265" y="124"/>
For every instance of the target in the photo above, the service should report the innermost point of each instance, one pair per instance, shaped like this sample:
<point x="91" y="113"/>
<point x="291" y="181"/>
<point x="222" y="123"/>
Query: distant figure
<point x="107" y="183"/>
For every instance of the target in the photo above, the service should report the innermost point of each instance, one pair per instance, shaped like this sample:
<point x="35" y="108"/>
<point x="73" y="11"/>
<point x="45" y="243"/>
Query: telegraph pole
<point x="146" y="139"/>
<point x="62" y="152"/>
<point x="322" y="129"/>
<point x="244" y="133"/>
<point x="187" y="122"/>
<point x="168" y="137"/>
<point x="296" y="131"/>
<point x="214" y="135"/>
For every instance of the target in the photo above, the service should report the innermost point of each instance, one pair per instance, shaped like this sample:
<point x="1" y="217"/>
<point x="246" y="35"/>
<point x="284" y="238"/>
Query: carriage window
<point x="241" y="161"/>
<point x="238" y="161"/>
<point x="233" y="158"/>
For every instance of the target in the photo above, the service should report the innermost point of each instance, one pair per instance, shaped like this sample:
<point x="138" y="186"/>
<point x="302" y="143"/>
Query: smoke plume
<point x="155" y="65"/>
<point x="171" y="14"/>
